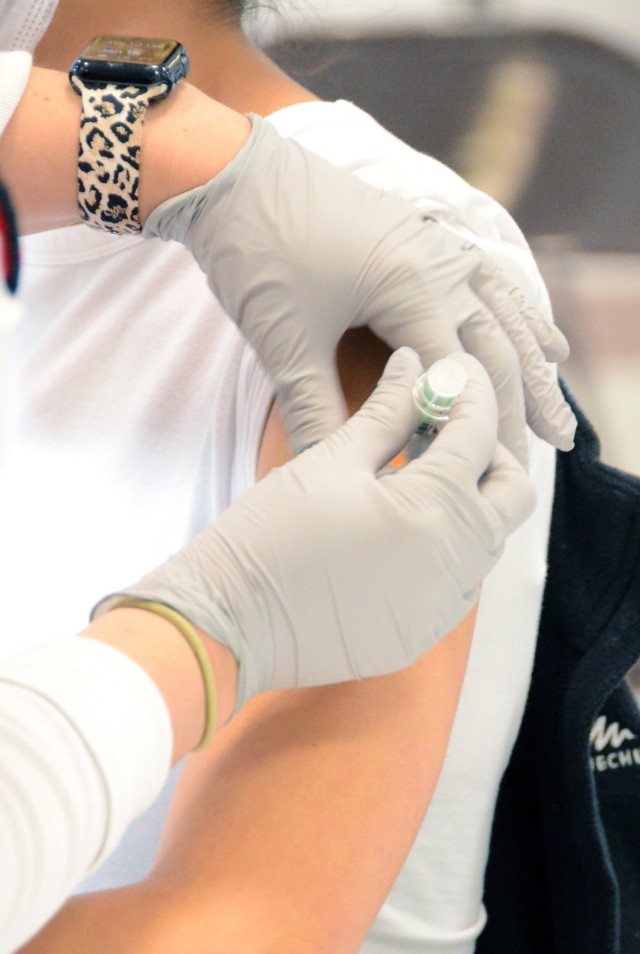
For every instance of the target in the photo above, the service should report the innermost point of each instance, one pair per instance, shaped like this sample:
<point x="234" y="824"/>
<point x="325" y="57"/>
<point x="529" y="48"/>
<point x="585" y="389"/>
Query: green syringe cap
<point x="437" y="388"/>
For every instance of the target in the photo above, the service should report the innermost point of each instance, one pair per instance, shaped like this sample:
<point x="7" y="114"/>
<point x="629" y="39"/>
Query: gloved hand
<point x="298" y="251"/>
<point x="325" y="572"/>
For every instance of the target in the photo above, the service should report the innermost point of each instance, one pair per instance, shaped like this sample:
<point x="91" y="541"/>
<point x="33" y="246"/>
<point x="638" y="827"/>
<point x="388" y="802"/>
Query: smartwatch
<point x="118" y="77"/>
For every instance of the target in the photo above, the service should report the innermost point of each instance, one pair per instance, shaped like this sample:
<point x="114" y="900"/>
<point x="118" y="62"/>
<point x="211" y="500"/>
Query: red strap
<point x="8" y="241"/>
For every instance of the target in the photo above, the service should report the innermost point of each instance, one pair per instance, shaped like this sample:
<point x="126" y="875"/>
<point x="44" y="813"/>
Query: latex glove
<point x="298" y="251"/>
<point x="325" y="572"/>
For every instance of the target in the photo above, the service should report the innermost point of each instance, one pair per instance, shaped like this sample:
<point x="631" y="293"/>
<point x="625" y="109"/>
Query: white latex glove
<point x="298" y="251"/>
<point x="325" y="572"/>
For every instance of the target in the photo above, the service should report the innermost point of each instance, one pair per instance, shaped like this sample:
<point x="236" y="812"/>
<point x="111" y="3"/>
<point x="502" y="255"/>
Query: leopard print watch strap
<point x="109" y="153"/>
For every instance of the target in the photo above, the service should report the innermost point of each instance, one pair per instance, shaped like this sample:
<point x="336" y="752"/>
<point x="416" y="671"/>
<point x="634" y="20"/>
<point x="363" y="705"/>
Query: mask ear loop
<point x="25" y="22"/>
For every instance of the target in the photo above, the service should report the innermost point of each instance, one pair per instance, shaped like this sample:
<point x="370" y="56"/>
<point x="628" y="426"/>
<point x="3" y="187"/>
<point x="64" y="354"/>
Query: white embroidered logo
<point x="603" y="735"/>
<point x="611" y="736"/>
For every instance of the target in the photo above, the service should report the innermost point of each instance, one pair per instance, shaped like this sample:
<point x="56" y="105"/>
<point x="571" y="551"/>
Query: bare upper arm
<point x="288" y="832"/>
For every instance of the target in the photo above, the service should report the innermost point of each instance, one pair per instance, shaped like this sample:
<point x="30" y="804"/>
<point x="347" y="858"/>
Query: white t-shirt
<point x="141" y="410"/>
<point x="14" y="74"/>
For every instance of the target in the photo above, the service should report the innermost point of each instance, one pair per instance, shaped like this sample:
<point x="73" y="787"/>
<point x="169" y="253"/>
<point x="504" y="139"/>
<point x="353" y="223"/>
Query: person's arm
<point x="86" y="737"/>
<point x="315" y="800"/>
<point x="39" y="148"/>
<point x="157" y="647"/>
<point x="343" y="777"/>
<point x="312" y="798"/>
<point x="288" y="833"/>
<point x="294" y="604"/>
<point x="328" y="252"/>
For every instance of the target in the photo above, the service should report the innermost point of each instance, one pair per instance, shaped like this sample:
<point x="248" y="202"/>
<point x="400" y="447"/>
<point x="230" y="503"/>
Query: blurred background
<point x="537" y="102"/>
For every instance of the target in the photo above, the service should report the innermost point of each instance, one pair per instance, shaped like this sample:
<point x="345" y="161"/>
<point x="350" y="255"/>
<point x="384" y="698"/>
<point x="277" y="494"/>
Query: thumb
<point x="508" y="489"/>
<point x="387" y="419"/>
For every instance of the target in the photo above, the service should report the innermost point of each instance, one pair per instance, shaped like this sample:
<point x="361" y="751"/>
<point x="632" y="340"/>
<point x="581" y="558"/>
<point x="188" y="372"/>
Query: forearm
<point x="163" y="653"/>
<point x="85" y="746"/>
<point x="187" y="139"/>
<point x="289" y="832"/>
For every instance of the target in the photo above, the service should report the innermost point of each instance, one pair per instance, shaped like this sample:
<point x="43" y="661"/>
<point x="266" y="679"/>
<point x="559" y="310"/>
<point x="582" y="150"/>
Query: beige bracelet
<point x="195" y="643"/>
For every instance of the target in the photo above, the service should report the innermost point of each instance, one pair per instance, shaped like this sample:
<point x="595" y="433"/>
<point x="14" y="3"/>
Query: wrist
<point x="188" y="139"/>
<point x="160" y="649"/>
<point x="38" y="153"/>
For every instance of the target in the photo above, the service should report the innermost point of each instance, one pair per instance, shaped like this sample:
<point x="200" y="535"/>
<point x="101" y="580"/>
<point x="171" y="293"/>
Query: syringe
<point x="435" y="391"/>
<point x="434" y="394"/>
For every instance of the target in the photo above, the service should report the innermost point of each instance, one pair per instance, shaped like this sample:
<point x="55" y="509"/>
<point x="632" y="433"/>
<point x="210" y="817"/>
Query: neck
<point x="224" y="63"/>
<point x="243" y="77"/>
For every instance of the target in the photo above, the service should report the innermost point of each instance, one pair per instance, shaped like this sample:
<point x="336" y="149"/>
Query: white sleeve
<point x="85" y="746"/>
<point x="14" y="73"/>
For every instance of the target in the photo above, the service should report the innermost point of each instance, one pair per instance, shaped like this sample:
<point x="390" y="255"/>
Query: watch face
<point x="130" y="61"/>
<point x="129" y="49"/>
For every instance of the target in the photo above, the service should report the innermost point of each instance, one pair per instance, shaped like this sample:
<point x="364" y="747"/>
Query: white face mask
<point x="24" y="22"/>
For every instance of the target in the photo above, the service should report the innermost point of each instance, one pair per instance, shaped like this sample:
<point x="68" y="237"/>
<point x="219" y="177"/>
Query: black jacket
<point x="564" y="867"/>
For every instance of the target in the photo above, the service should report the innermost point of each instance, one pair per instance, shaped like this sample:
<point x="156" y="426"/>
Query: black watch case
<point x="130" y="61"/>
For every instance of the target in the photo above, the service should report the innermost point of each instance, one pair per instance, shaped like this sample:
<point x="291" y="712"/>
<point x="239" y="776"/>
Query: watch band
<point x="109" y="153"/>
